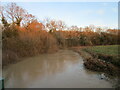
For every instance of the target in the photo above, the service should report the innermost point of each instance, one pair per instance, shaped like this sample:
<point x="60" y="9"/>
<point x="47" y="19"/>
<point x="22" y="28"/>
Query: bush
<point x="26" y="43"/>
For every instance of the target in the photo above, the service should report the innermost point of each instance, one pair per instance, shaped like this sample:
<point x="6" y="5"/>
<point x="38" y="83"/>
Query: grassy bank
<point x="101" y="58"/>
<point x="109" y="53"/>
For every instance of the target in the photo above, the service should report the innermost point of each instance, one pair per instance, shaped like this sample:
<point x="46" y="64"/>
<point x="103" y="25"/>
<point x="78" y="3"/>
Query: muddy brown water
<point x="63" y="69"/>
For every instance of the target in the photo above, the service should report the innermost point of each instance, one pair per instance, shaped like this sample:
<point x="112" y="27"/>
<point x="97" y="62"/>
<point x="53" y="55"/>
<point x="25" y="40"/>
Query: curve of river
<point x="63" y="69"/>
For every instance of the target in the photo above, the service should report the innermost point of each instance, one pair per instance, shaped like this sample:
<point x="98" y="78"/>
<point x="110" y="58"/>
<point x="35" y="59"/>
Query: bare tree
<point x="2" y="17"/>
<point x="53" y="25"/>
<point x="61" y="25"/>
<point x="1" y="11"/>
<point x="14" y="13"/>
<point x="28" y="19"/>
<point x="74" y="28"/>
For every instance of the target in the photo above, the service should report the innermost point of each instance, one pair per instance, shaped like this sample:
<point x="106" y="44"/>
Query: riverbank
<point x="101" y="58"/>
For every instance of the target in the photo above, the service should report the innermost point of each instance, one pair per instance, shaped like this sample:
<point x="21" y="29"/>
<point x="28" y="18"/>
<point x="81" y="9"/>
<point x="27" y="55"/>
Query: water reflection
<point x="62" y="69"/>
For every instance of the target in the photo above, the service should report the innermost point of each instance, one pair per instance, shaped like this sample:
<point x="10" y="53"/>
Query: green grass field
<point x="107" y="50"/>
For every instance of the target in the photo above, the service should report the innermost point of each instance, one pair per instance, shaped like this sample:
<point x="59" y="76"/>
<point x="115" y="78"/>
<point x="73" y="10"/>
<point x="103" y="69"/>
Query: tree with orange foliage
<point x="35" y="25"/>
